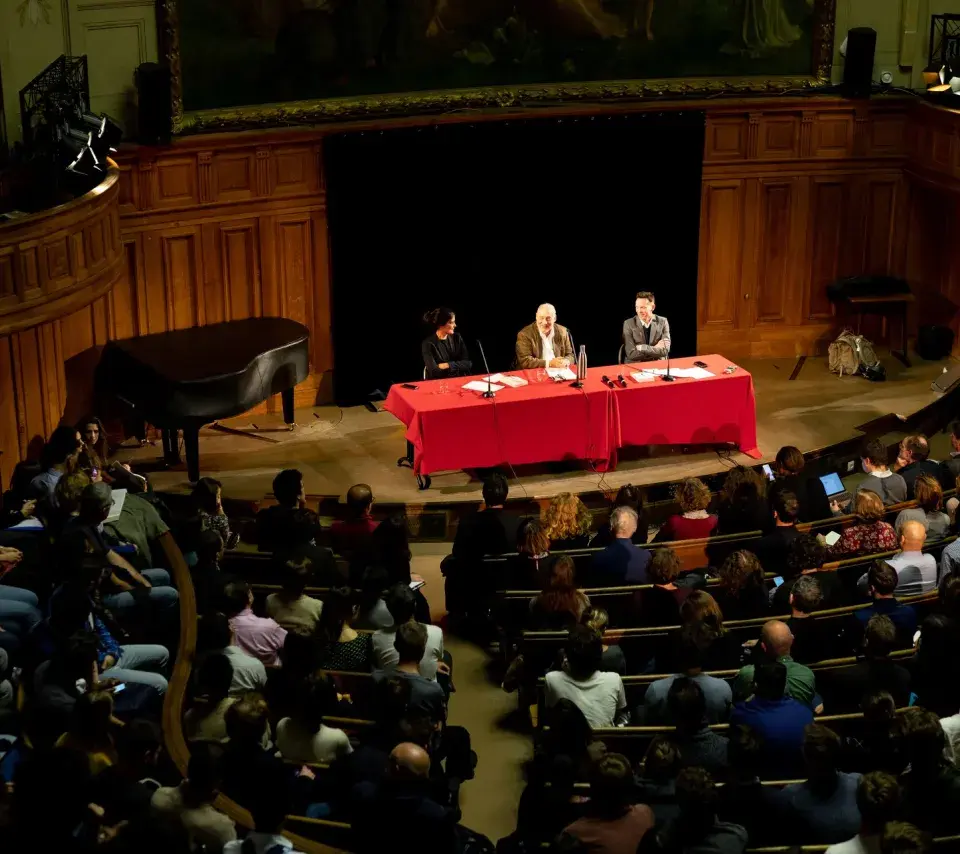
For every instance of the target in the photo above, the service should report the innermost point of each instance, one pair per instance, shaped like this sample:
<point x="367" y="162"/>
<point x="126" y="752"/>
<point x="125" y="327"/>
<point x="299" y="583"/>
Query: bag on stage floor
<point x="854" y="354"/>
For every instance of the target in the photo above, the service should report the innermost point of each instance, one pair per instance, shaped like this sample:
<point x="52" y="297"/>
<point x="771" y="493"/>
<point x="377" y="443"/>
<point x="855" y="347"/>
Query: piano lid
<point x="208" y="353"/>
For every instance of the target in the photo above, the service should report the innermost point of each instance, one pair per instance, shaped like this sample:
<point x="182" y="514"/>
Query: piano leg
<point x="286" y="398"/>
<point x="191" y="442"/>
<point x="171" y="449"/>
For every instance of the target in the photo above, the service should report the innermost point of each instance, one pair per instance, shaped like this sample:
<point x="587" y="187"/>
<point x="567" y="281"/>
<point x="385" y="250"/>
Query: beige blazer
<point x="530" y="346"/>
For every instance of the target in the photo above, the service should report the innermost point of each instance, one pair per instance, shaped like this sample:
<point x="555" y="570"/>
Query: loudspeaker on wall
<point x="154" y="119"/>
<point x="947" y="380"/>
<point x="858" y="69"/>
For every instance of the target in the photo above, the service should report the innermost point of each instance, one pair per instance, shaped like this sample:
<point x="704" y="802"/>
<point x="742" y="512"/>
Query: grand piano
<point x="187" y="378"/>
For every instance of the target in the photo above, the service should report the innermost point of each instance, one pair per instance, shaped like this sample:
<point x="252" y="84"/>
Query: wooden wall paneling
<point x="126" y="303"/>
<point x="175" y="182"/>
<point x="881" y="205"/>
<point x="779" y="137"/>
<point x="77" y="332"/>
<point x="210" y="286"/>
<point x="726" y="138"/>
<point x="182" y="270"/>
<point x="827" y="227"/>
<point x="776" y="267"/>
<point x="234" y="173"/>
<point x="294" y="257"/>
<point x="322" y="332"/>
<point x="239" y="268"/>
<point x="833" y="135"/>
<point x="887" y="135"/>
<point x="721" y="253"/>
<point x="11" y="446"/>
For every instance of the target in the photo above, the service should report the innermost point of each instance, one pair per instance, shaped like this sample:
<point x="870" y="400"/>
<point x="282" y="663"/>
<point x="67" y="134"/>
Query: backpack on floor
<point x="854" y="354"/>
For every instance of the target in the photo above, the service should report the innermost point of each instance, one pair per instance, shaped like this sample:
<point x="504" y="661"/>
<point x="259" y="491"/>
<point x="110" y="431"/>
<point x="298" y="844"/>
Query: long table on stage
<point x="550" y="422"/>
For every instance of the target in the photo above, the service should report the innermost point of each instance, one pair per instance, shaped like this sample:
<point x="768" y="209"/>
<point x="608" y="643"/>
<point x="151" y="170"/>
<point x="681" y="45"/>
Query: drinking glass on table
<point x="541" y="375"/>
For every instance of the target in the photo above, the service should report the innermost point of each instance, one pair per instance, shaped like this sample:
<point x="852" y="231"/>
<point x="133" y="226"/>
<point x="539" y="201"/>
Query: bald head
<point x="546" y="318"/>
<point x="359" y="499"/>
<point x="776" y="638"/>
<point x="409" y="760"/>
<point x="912" y="536"/>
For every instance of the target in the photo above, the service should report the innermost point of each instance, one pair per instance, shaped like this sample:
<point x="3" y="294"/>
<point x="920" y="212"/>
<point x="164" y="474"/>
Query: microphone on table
<point x="666" y="377"/>
<point x="489" y="392"/>
<point x="607" y="381"/>
<point x="621" y="380"/>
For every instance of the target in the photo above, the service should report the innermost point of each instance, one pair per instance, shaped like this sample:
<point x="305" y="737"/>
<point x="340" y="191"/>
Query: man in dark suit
<point x="545" y="343"/>
<point x="621" y="562"/>
<point x="492" y="531"/>
<point x="913" y="461"/>
<point x="274" y="523"/>
<point x="646" y="337"/>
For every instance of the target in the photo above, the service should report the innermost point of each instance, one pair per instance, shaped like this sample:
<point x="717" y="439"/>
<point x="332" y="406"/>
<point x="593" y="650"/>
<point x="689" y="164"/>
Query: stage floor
<point x="336" y="447"/>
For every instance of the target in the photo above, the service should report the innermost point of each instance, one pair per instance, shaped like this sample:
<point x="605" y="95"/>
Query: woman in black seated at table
<point x="560" y="605"/>
<point x="743" y="591"/>
<point x="627" y="496"/>
<point x="742" y="504"/>
<point x="660" y="604"/>
<point x="725" y="651"/>
<point x="444" y="351"/>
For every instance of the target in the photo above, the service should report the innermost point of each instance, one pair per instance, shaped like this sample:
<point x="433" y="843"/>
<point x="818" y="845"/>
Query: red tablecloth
<point x="545" y="421"/>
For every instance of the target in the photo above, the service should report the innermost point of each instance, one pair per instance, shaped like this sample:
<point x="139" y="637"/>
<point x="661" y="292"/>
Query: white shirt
<point x="298" y="745"/>
<point x="601" y="698"/>
<point x="388" y="658"/>
<point x="262" y="842"/>
<point x="645" y="325"/>
<point x="249" y="674"/>
<point x="951" y="729"/>
<point x="548" y="354"/>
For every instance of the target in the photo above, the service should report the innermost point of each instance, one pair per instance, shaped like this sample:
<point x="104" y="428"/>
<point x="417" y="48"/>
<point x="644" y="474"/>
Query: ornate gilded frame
<point x="397" y="105"/>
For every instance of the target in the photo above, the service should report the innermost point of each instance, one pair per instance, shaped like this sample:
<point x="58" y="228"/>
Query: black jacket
<point x="451" y="350"/>
<point x="814" y="504"/>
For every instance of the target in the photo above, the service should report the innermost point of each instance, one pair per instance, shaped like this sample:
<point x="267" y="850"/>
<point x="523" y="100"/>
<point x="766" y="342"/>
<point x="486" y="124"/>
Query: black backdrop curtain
<point x="493" y="219"/>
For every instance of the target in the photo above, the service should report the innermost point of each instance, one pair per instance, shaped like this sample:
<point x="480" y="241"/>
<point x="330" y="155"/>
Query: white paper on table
<point x="477" y="385"/>
<point x="682" y="373"/>
<point x="641" y="377"/>
<point x="561" y="373"/>
<point x="699" y="373"/>
<point x="512" y="382"/>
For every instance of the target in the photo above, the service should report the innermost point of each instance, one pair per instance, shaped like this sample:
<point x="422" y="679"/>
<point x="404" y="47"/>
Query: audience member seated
<point x="929" y="512"/>
<point x="694" y="639"/>
<point x="696" y="828"/>
<point x="404" y="800"/>
<point x="742" y="504"/>
<point x="612" y="659"/>
<point x="773" y="549"/>
<point x="882" y="582"/>
<point x="742" y="594"/>
<point x="695" y="522"/>
<point x="19" y="607"/>
<point x="934" y="669"/>
<point x="950" y="560"/>
<point x="776" y="642"/>
<point x="847" y="686"/>
<point x="215" y="636"/>
<point x="698" y="744"/>
<point x="491" y="531"/>
<point x="129" y="588"/>
<point x="208" y="551"/>
<point x="291" y="608"/>
<point x="778" y="721"/>
<point x="889" y="485"/>
<point x="567" y="523"/>
<point x="899" y="837"/>
<point x="524" y="571"/>
<point x="204" y="721"/>
<point x="90" y="730"/>
<point x="410" y="648"/>
<point x="341" y="647"/>
<point x="790" y="477"/>
<point x="950" y="467"/>
<point x="878" y="746"/>
<point x="304" y="737"/>
<point x="878" y="798"/>
<point x="916" y="571"/>
<point x="260" y="637"/>
<point x="274" y="523"/>
<point x="722" y="650"/>
<point x="269" y="814"/>
<point x="823" y="808"/>
<point x="352" y="533"/>
<point x="931" y="786"/>
<point x="59" y="457"/>
<point x="372" y="613"/>
<point x="660" y="604"/>
<point x="870" y="534"/>
<point x="621" y="563"/>
<point x="656" y="779"/>
<point x="813" y="639"/>
<point x="631" y="496"/>
<point x="913" y="460"/>
<point x="402" y="607"/>
<point x="191" y="803"/>
<point x="807" y="555"/>
<point x="390" y="548"/>
<point x="612" y="823"/>
<point x="599" y="695"/>
<point x="744" y="800"/>
<point x="560" y="605"/>
<point x="208" y="496"/>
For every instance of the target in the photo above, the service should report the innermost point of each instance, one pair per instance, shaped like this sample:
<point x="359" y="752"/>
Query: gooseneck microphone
<point x="489" y="392"/>
<point x="621" y="380"/>
<point x="666" y="377"/>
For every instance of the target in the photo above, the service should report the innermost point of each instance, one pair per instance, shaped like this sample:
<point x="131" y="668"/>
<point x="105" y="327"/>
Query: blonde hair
<point x="928" y="493"/>
<point x="566" y="517"/>
<point x="868" y="506"/>
<point x="692" y="494"/>
<point x="596" y="619"/>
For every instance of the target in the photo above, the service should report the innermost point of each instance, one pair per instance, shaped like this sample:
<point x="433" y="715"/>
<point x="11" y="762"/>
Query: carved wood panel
<point x="721" y="230"/>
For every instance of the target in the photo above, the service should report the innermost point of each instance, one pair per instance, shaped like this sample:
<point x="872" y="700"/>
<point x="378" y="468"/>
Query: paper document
<point x="683" y="373"/>
<point x="641" y="377"/>
<point x="477" y="385"/>
<point x="561" y="374"/>
<point x="832" y="538"/>
<point x="698" y="373"/>
<point x="513" y="382"/>
<point x="416" y="585"/>
<point x="119" y="496"/>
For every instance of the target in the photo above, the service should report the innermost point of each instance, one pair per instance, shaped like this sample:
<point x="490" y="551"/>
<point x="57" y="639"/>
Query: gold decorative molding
<point x="395" y="105"/>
